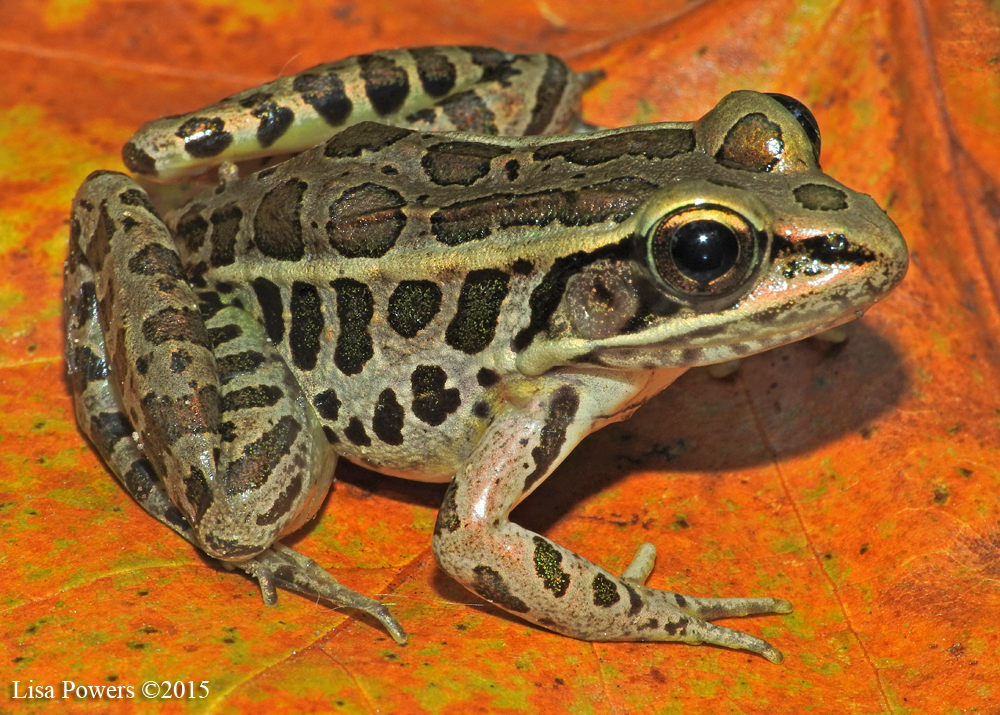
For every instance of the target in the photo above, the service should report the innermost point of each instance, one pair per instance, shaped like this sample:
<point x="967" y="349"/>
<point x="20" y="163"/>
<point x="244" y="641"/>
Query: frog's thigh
<point x="130" y="316"/>
<point x="99" y="409"/>
<point x="275" y="464"/>
<point x="142" y="358"/>
<point x="530" y="576"/>
<point x="274" y="468"/>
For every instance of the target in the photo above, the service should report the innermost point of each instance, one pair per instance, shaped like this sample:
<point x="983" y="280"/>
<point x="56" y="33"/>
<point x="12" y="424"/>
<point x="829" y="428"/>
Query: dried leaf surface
<point x="861" y="482"/>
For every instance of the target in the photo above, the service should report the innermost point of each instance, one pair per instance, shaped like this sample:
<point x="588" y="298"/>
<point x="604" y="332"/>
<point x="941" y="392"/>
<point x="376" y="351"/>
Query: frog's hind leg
<point x="99" y="412"/>
<point x="293" y="571"/>
<point x="269" y="432"/>
<point x="475" y="89"/>
<point x="90" y="289"/>
<point x="147" y="392"/>
<point x="532" y="577"/>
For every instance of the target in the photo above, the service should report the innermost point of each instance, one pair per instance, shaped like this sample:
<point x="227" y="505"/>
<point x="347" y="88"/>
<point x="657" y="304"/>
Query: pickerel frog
<point x="437" y="296"/>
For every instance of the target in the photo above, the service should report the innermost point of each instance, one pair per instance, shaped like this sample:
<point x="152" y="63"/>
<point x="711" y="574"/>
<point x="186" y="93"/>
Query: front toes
<point x="782" y="606"/>
<point x="710" y="609"/>
<point x="642" y="564"/>
<point x="711" y="634"/>
<point x="689" y="621"/>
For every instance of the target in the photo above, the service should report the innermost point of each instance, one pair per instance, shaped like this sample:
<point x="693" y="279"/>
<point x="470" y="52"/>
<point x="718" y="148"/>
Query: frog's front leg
<point x="536" y="579"/>
<point x="229" y="453"/>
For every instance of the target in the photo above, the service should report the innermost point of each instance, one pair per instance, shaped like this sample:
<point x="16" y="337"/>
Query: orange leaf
<point x="861" y="482"/>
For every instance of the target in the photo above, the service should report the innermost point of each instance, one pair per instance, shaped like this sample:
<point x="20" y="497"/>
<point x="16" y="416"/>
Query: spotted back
<point x="410" y="278"/>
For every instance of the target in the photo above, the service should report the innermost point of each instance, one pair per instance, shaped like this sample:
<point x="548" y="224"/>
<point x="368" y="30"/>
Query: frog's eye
<point x="704" y="253"/>
<point x="803" y="116"/>
<point x="703" y="250"/>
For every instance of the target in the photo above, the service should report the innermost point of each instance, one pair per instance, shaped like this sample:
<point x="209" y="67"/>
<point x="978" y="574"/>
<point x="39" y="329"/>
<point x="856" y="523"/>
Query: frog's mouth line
<point x="665" y="355"/>
<point x="707" y="338"/>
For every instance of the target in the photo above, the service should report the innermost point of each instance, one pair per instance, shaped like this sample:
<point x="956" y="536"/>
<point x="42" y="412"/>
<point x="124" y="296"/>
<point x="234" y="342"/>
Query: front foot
<point x="686" y="619"/>
<point x="707" y="609"/>
<point x="540" y="581"/>
<point x="533" y="578"/>
<point x="282" y="566"/>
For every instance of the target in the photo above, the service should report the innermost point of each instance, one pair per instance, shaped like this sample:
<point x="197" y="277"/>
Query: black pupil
<point x="704" y="250"/>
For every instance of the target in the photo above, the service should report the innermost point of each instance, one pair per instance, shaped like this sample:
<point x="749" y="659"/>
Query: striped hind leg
<point x="186" y="441"/>
<point x="446" y="88"/>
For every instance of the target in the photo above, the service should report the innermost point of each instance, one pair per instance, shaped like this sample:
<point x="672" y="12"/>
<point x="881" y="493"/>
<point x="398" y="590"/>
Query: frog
<point x="421" y="261"/>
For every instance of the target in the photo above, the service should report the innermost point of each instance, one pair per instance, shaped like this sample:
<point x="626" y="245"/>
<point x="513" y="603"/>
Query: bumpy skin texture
<point x="443" y="306"/>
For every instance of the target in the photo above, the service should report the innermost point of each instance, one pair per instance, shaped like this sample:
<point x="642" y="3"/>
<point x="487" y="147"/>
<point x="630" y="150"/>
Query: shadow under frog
<point x="830" y="403"/>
